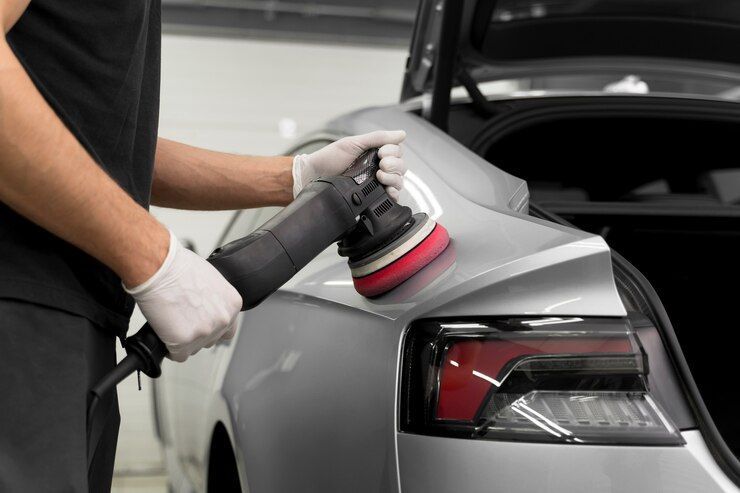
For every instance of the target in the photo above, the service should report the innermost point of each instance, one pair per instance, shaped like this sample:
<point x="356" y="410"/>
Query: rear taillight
<point x="566" y="379"/>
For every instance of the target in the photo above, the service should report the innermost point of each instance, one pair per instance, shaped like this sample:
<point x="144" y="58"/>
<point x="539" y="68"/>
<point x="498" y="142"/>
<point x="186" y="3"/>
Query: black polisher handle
<point x="261" y="262"/>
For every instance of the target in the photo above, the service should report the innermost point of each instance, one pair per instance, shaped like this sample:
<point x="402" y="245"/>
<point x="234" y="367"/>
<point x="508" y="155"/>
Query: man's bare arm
<point x="187" y="177"/>
<point x="48" y="177"/>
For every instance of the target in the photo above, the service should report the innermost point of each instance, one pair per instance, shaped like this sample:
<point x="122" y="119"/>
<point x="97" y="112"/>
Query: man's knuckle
<point x="201" y="331"/>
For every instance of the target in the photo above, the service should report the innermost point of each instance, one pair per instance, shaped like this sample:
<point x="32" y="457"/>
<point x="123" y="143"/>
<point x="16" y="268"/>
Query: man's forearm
<point x="187" y="177"/>
<point x="48" y="177"/>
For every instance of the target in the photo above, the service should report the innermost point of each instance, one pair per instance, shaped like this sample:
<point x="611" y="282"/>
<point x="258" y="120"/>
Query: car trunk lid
<point x="483" y="40"/>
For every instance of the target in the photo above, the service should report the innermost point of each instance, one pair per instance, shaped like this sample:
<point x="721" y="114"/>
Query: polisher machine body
<point x="384" y="242"/>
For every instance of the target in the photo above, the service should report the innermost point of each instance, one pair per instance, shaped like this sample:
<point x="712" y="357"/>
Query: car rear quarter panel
<point x="311" y="391"/>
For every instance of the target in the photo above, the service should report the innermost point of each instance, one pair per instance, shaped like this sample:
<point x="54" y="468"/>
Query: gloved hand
<point x="188" y="303"/>
<point x="333" y="159"/>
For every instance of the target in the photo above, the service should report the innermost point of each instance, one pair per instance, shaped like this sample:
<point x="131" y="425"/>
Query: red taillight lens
<point x="471" y="367"/>
<point x="568" y="379"/>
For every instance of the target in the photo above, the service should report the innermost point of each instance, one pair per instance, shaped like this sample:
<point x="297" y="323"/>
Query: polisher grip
<point x="148" y="349"/>
<point x="259" y="263"/>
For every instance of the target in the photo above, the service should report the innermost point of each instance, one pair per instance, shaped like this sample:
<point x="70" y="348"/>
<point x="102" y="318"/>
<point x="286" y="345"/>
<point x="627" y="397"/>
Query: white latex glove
<point x="335" y="158"/>
<point x="188" y="302"/>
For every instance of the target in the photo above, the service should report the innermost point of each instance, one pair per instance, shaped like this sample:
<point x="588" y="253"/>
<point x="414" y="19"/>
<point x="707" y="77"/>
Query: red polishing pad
<point x="393" y="274"/>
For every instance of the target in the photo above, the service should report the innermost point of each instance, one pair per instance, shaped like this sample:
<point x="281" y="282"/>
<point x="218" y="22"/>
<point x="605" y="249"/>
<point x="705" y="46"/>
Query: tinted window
<point x="513" y="10"/>
<point x="707" y="30"/>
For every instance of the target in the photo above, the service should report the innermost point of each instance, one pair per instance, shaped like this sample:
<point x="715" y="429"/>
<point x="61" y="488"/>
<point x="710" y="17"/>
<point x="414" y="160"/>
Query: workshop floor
<point x="242" y="96"/>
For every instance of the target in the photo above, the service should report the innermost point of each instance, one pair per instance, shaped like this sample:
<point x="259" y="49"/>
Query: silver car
<point x="579" y="332"/>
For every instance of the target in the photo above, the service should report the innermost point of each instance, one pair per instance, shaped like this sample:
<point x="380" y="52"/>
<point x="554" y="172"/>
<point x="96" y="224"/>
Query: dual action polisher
<point x="384" y="242"/>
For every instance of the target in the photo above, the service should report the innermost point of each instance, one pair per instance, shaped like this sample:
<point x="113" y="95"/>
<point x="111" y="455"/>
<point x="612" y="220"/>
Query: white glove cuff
<point x="161" y="272"/>
<point x="300" y="162"/>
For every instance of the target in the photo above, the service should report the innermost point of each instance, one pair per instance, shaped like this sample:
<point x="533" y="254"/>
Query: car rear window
<point x="513" y="10"/>
<point x="706" y="30"/>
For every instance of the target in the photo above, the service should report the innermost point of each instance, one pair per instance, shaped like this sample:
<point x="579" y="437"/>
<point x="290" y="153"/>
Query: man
<point x="80" y="162"/>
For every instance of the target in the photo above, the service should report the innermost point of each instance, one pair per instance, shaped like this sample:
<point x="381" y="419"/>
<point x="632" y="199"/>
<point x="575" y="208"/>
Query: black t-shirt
<point x="96" y="62"/>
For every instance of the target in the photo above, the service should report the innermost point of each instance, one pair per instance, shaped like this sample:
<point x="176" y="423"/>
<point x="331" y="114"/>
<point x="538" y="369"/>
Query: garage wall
<point x="388" y="22"/>
<point x="250" y="97"/>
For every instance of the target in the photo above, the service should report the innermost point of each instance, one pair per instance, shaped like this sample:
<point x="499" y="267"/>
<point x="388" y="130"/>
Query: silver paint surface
<point x="446" y="465"/>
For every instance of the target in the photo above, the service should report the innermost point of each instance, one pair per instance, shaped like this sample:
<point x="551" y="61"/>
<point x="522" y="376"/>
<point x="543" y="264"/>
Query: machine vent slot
<point x="367" y="189"/>
<point x="384" y="207"/>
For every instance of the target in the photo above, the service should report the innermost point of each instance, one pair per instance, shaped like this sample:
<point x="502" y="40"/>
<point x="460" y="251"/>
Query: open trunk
<point x="659" y="179"/>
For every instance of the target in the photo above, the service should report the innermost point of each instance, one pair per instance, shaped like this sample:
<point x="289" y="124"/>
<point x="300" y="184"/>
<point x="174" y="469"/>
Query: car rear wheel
<point x="223" y="475"/>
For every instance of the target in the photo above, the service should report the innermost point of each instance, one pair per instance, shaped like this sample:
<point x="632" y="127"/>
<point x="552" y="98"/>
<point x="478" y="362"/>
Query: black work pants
<point x="49" y="359"/>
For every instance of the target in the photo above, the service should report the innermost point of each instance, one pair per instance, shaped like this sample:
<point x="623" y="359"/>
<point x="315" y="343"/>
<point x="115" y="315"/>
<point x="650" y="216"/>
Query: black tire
<point x="223" y="474"/>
